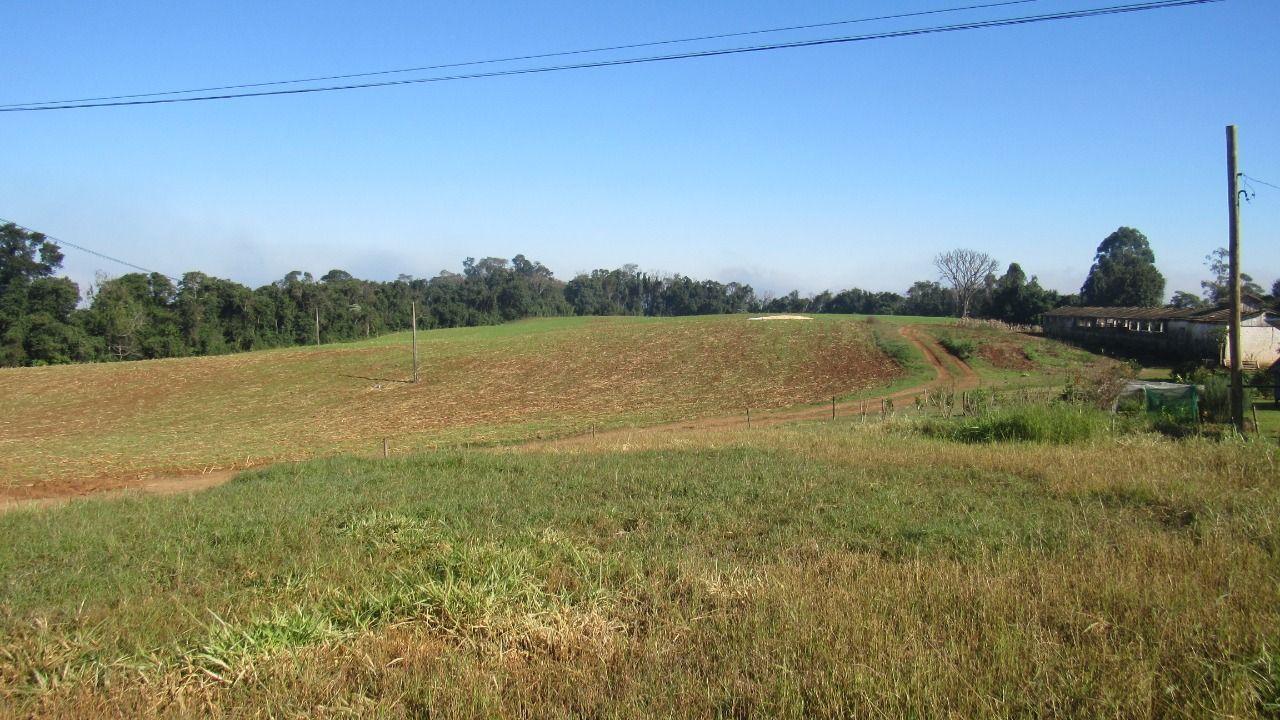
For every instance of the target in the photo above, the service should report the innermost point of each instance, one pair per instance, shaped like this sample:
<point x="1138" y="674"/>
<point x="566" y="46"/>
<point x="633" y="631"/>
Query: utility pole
<point x="317" y="325"/>
<point x="414" y="310"/>
<point x="1233" y="249"/>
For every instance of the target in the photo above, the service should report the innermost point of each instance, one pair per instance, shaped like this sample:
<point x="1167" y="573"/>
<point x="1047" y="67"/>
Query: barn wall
<point x="1170" y="343"/>
<point x="1181" y="339"/>
<point x="1259" y="345"/>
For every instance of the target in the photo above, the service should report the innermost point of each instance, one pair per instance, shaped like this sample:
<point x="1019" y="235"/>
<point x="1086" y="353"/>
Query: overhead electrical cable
<point x="1260" y="182"/>
<point x="81" y="248"/>
<point x="984" y="24"/>
<point x="539" y="56"/>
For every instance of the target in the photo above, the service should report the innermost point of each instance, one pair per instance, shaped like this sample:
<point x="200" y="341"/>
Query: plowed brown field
<point x="85" y="428"/>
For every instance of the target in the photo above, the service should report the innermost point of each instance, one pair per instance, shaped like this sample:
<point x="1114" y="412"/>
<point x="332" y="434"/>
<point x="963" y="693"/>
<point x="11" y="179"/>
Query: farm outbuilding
<point x="1183" y="333"/>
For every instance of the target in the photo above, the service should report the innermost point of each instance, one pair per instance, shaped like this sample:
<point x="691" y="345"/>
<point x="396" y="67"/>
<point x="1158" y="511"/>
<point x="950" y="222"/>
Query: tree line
<point x="44" y="319"/>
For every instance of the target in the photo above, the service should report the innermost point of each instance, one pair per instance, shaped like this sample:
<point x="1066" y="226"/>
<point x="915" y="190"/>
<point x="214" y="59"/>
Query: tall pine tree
<point x="1124" y="272"/>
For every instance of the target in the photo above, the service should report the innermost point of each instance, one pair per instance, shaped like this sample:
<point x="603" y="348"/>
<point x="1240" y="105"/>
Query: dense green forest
<point x="44" y="319"/>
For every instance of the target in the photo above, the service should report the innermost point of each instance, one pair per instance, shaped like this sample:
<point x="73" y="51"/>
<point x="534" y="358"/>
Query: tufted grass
<point x="835" y="569"/>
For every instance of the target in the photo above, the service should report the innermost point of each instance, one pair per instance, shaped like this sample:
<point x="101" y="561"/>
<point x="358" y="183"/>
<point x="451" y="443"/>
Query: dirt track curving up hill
<point x="948" y="372"/>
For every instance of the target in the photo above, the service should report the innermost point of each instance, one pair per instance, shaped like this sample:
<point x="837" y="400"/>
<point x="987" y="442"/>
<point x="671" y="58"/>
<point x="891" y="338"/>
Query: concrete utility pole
<point x="317" y="325"/>
<point x="1233" y="249"/>
<point x="414" y="310"/>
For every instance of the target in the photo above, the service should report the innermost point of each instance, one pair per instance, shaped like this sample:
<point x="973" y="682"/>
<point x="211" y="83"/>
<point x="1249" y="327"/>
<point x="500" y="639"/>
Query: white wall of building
<point x="1259" y="340"/>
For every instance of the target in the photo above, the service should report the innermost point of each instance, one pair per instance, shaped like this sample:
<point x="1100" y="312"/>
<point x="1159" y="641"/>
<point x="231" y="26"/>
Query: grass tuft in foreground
<point x="1057" y="423"/>
<point x="830" y="570"/>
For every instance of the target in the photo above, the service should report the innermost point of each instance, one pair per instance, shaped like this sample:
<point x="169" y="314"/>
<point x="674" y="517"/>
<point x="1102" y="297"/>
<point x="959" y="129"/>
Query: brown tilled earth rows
<point x="73" y="430"/>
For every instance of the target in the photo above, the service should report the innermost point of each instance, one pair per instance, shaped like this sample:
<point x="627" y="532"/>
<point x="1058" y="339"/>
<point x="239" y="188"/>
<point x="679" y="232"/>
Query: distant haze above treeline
<point x="140" y="316"/>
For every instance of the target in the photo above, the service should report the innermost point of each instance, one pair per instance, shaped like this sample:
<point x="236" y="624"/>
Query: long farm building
<point x="1184" y="333"/>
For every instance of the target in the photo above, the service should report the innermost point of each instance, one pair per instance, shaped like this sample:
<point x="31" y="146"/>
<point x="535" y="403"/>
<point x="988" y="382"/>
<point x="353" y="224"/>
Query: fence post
<point x="748" y="417"/>
<point x="833" y="408"/>
<point x="385" y="450"/>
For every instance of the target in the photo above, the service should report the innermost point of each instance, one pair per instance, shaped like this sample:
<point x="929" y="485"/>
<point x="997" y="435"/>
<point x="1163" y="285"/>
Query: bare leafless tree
<point x="965" y="270"/>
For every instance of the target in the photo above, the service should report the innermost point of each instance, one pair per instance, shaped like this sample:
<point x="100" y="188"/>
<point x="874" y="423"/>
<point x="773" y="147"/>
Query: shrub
<point x="1190" y="372"/>
<point x="898" y="350"/>
<point x="1058" y="424"/>
<point x="1215" y="398"/>
<point x="1172" y="426"/>
<point x="1097" y="385"/>
<point x="959" y="347"/>
<point x="1259" y="380"/>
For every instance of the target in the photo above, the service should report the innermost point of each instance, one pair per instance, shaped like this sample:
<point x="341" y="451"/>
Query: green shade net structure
<point x="1160" y="398"/>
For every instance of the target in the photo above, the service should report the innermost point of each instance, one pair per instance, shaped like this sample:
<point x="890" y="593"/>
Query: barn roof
<point x="1223" y="314"/>
<point x="1252" y="306"/>
<point x="1219" y="315"/>
<point x="1123" y="313"/>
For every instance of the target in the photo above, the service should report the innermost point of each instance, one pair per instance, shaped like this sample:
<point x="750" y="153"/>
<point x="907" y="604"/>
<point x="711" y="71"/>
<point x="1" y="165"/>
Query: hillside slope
<point x="91" y="427"/>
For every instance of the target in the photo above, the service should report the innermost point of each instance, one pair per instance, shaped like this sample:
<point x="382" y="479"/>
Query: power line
<point x="539" y="56"/>
<point x="1260" y="182"/>
<point x="81" y="248"/>
<point x="1005" y="22"/>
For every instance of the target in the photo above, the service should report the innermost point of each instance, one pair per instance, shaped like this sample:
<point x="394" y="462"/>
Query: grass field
<point x="100" y="426"/>
<point x="83" y="428"/>
<point x="835" y="569"/>
<point x="912" y="566"/>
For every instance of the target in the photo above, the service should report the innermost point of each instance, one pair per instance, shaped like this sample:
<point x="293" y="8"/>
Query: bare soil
<point x="955" y="373"/>
<point x="68" y="430"/>
<point x="167" y="485"/>
<point x="1006" y="356"/>
<point x="948" y="372"/>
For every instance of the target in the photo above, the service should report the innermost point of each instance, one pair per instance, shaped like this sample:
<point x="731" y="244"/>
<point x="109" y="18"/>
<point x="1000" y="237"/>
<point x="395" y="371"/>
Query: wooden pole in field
<point x="748" y="417"/>
<point x="1233" y="252"/>
<point x="414" y="311"/>
<point x="317" y="325"/>
<point x="833" y="407"/>
<point x="386" y="451"/>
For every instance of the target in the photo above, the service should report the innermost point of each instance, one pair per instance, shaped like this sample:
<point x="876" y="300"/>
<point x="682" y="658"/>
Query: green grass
<point x="1058" y="423"/>
<point x="835" y="569"/>
<point x="1268" y="418"/>
<point x="961" y="348"/>
<point x="889" y="342"/>
<point x="900" y="319"/>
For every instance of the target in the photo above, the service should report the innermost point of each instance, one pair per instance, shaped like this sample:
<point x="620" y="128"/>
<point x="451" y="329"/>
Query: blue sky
<point x="815" y="168"/>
